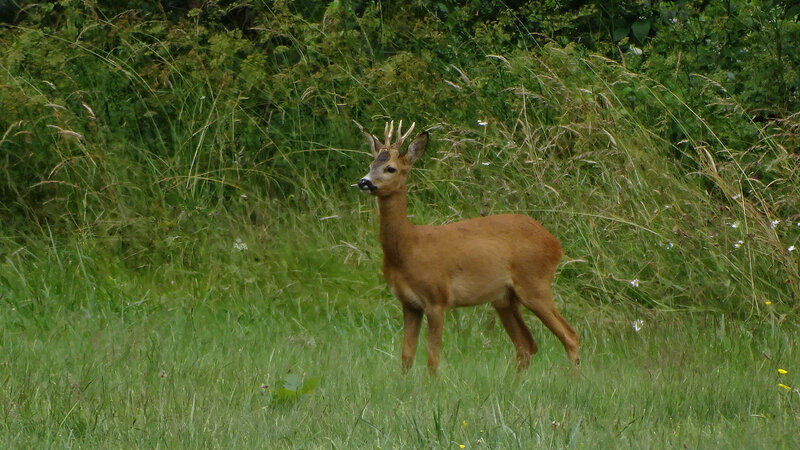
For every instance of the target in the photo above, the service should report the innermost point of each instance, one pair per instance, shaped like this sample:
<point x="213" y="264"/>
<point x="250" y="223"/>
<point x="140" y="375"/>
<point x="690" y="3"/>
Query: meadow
<point x="184" y="261"/>
<point x="97" y="359"/>
<point x="274" y="357"/>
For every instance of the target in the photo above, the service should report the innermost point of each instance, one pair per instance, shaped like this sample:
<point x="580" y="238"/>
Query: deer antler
<point x="402" y="137"/>
<point x="374" y="143"/>
<point x="388" y="130"/>
<point x="362" y="128"/>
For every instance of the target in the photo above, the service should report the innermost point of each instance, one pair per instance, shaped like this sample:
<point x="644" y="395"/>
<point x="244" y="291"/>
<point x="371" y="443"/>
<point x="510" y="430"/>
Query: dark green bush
<point x="106" y="104"/>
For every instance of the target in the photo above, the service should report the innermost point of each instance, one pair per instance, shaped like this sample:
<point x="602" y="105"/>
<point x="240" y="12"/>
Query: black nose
<point x="366" y="185"/>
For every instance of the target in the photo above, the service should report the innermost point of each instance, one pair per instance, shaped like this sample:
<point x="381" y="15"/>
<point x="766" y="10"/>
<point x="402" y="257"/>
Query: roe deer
<point x="505" y="260"/>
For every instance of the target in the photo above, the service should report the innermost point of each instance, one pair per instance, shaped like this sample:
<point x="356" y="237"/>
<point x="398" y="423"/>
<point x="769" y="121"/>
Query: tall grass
<point x="207" y="362"/>
<point x="670" y="225"/>
<point x="153" y="151"/>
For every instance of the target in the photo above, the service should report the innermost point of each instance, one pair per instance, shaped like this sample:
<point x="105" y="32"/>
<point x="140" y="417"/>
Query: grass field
<point x="100" y="356"/>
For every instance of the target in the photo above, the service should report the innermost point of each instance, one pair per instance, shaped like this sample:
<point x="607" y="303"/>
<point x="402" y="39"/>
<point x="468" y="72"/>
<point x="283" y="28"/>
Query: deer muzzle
<point x="365" y="184"/>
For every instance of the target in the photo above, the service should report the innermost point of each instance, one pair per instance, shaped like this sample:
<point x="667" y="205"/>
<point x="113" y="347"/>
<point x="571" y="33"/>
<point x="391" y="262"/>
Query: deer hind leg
<point x="537" y="296"/>
<point x="519" y="333"/>
<point x="412" y="320"/>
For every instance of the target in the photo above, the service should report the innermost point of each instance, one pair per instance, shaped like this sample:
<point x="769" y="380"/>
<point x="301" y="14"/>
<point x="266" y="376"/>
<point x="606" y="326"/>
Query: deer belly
<point x="476" y="291"/>
<point x="463" y="291"/>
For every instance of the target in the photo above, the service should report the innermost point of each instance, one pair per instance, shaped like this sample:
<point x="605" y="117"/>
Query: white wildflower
<point x="774" y="223"/>
<point x="634" y="282"/>
<point x="486" y="163"/>
<point x="669" y="245"/>
<point x="637" y="325"/>
<point x="736" y="197"/>
<point x="790" y="249"/>
<point x="239" y="245"/>
<point x="482" y="123"/>
<point x="244" y="196"/>
<point x="735" y="225"/>
<point x="738" y="244"/>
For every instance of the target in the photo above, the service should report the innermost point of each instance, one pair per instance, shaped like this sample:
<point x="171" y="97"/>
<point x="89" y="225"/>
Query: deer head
<point x="389" y="169"/>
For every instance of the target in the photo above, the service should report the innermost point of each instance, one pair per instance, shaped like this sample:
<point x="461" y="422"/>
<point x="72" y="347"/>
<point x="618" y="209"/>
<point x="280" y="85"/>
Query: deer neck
<point x="395" y="229"/>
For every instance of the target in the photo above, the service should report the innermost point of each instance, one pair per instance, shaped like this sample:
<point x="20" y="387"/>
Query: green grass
<point x="189" y="377"/>
<point x="97" y="355"/>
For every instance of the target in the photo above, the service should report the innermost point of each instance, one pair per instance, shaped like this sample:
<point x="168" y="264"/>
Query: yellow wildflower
<point x="464" y="423"/>
<point x="767" y="303"/>
<point x="462" y="446"/>
<point x="784" y="386"/>
<point x="782" y="372"/>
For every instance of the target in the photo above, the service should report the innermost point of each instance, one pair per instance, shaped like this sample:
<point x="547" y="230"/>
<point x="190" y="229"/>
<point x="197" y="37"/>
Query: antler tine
<point x="408" y="133"/>
<point x="388" y="131"/>
<point x="403" y="137"/>
<point x="399" y="132"/>
<point x="360" y="127"/>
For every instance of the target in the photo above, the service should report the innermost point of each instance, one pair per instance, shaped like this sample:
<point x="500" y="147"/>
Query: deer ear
<point x="417" y="147"/>
<point x="374" y="143"/>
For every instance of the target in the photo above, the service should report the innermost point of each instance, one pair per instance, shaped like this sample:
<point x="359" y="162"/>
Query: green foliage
<point x="630" y="128"/>
<point x="748" y="49"/>
<point x="294" y="388"/>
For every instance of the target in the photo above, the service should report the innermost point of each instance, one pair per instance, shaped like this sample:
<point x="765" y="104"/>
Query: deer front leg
<point x="412" y="319"/>
<point x="435" y="316"/>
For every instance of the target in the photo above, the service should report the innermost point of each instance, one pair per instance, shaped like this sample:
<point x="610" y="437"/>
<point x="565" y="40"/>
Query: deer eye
<point x="391" y="169"/>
